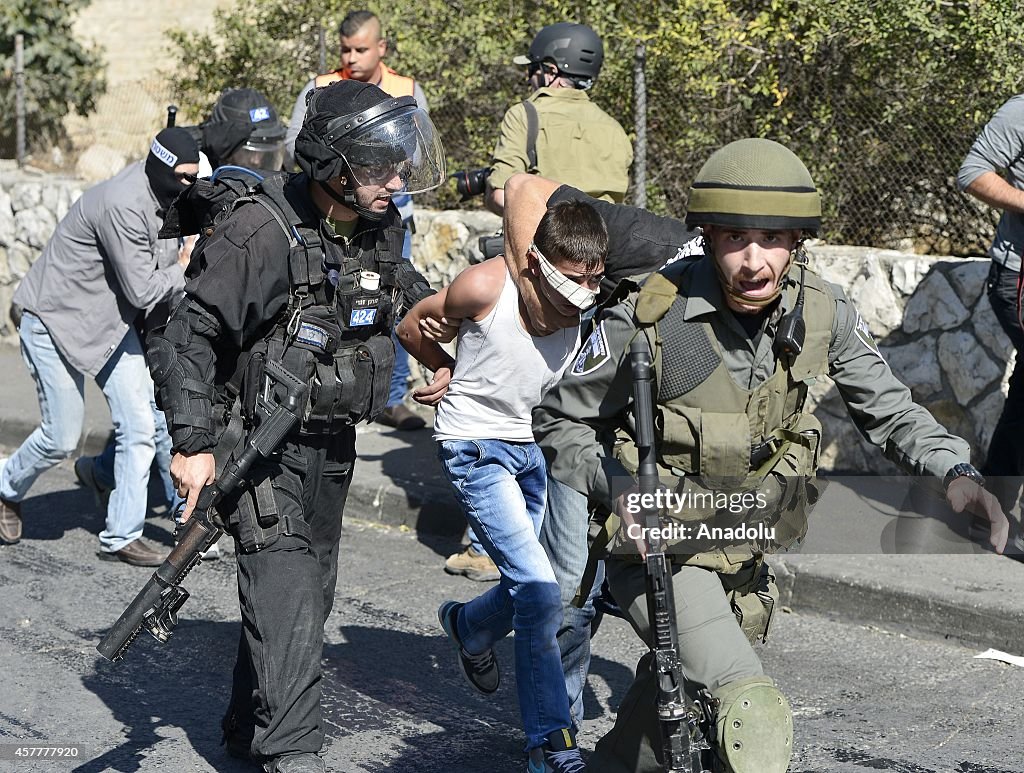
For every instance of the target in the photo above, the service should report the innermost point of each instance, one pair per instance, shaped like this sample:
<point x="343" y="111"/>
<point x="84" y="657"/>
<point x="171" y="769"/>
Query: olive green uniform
<point x="578" y="144"/>
<point x="700" y="433"/>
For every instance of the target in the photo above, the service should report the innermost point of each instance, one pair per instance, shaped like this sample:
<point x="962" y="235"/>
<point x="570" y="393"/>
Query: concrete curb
<point x="834" y="588"/>
<point x="429" y="510"/>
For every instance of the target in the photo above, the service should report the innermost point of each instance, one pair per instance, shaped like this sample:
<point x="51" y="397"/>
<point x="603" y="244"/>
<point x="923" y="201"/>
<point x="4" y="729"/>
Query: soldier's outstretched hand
<point x="965" y="494"/>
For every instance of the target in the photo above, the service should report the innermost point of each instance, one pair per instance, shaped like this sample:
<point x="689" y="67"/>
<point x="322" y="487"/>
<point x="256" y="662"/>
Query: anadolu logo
<point x="258" y="114"/>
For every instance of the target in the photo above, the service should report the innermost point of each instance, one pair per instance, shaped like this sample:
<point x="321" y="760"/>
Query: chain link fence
<point x="885" y="182"/>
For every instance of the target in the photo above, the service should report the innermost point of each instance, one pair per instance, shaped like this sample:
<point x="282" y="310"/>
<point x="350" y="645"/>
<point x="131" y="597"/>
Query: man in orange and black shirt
<point x="363" y="48"/>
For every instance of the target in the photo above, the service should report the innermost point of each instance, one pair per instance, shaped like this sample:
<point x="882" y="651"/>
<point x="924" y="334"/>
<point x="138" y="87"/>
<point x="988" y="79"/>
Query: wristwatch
<point x="962" y="471"/>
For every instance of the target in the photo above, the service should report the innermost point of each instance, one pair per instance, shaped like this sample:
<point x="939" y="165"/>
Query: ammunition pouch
<point x="726" y="526"/>
<point x="364" y="375"/>
<point x="349" y="380"/>
<point x="754" y="597"/>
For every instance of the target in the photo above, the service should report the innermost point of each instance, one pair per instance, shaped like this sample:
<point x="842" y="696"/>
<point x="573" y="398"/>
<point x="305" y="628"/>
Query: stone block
<point x="968" y="279"/>
<point x="934" y="306"/>
<point x="917" y="365"/>
<point x="967" y="367"/>
<point x="34" y="226"/>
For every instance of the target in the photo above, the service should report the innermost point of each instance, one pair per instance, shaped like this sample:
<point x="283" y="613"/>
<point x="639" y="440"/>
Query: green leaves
<point x="60" y="74"/>
<point x="874" y="95"/>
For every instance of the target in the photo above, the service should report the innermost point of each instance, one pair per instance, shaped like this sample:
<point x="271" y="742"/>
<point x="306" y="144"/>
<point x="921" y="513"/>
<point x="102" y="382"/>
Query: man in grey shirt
<point x="993" y="172"/>
<point x="80" y="299"/>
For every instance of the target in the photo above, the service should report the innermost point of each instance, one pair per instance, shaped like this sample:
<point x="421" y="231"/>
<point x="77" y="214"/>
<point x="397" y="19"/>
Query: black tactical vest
<point x="335" y="332"/>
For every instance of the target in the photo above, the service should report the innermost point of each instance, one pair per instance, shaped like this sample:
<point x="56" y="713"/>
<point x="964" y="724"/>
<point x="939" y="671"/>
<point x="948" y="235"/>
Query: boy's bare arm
<point x="526" y="201"/>
<point x="425" y="350"/>
<point x="471" y="295"/>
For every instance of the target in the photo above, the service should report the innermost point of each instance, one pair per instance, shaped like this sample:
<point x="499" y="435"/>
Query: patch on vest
<point x="594" y="353"/>
<point x="693" y="247"/>
<point x="688" y="357"/>
<point x="864" y="334"/>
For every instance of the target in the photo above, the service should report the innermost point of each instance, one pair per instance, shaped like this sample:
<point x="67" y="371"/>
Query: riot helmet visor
<point x="400" y="142"/>
<point x="252" y="154"/>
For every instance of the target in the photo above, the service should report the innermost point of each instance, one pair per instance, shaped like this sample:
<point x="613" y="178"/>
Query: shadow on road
<point x="155" y="688"/>
<point x="51" y="515"/>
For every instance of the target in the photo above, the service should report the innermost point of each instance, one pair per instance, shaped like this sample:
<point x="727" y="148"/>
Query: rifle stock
<point x="682" y="740"/>
<point x="156" y="606"/>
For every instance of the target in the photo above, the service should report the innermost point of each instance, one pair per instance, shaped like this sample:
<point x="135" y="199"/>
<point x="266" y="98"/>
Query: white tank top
<point x="501" y="373"/>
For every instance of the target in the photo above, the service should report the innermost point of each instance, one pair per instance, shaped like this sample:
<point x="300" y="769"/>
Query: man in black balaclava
<point x="170" y="167"/>
<point x="173" y="161"/>
<point x="307" y="273"/>
<point x="103" y="265"/>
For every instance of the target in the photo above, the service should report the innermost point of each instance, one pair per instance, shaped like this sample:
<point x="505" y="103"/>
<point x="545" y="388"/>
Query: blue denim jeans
<point x="126" y="384"/>
<point x="564" y="539"/>
<point x="104" y="463"/>
<point x="400" y="374"/>
<point x="501" y="488"/>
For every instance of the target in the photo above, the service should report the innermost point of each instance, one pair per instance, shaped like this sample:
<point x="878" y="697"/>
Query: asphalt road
<point x="864" y="698"/>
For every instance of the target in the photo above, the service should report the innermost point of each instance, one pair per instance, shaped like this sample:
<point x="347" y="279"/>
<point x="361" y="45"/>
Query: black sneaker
<point x="481" y="671"/>
<point x="558" y="754"/>
<point x="85" y="473"/>
<point x="296" y="763"/>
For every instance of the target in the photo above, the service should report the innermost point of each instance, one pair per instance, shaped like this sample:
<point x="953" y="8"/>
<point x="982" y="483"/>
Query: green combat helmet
<point x="755" y="183"/>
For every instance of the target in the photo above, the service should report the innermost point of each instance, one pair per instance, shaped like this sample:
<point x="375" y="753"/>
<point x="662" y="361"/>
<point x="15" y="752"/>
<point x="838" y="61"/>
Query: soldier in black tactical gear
<point x="308" y="272"/>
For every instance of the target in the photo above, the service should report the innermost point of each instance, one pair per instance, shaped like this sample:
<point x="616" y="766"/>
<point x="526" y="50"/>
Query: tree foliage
<point x="61" y="74"/>
<point x="881" y="98"/>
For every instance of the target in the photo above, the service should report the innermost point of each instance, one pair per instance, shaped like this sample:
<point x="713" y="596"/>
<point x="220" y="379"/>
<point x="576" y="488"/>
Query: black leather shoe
<point x="401" y="418"/>
<point x="10" y="521"/>
<point x="234" y="738"/>
<point x="137" y="553"/>
<point x="85" y="473"/>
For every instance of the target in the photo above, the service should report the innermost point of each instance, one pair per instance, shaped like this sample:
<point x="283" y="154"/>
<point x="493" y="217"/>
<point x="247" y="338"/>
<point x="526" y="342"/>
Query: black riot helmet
<point x="356" y="131"/>
<point x="244" y="130"/>
<point x="575" y="49"/>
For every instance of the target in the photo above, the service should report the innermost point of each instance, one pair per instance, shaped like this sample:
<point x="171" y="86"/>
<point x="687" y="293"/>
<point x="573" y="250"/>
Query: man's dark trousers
<point x="286" y="592"/>
<point x="1005" y="459"/>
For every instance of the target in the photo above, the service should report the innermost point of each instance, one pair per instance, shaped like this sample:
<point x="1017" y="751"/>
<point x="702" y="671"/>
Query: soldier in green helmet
<point x="738" y="327"/>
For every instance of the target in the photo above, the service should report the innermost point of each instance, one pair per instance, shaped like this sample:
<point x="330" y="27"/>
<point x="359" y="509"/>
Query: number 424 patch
<point x="362" y="317"/>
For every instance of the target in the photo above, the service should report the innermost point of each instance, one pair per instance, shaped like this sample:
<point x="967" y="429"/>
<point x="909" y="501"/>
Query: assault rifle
<point x="156" y="606"/>
<point x="682" y="740"/>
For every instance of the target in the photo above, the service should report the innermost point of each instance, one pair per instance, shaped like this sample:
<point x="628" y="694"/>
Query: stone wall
<point x="933" y="323"/>
<point x="31" y="204"/>
<point x="928" y="315"/>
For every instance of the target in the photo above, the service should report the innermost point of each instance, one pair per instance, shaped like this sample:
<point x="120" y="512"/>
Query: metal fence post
<point x="322" y="48"/>
<point x="19" y="98"/>
<point x="640" y="124"/>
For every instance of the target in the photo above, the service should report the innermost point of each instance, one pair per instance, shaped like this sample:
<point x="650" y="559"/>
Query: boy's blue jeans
<point x="502" y="489"/>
